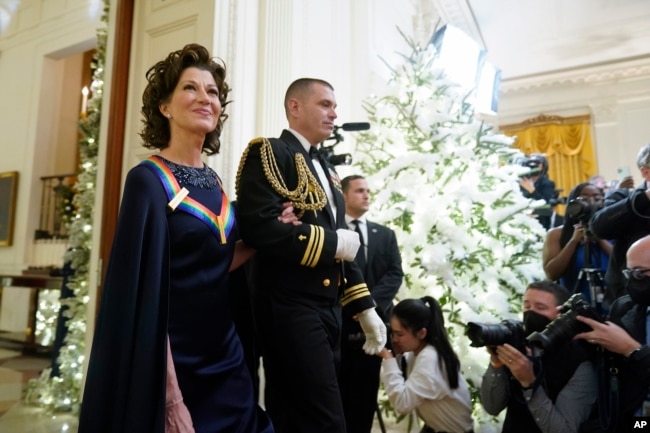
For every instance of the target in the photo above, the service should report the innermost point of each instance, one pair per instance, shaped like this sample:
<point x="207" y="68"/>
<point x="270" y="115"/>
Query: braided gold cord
<point x="308" y="194"/>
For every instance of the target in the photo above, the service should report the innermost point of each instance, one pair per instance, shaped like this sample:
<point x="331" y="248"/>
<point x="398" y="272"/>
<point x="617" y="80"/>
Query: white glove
<point x="375" y="331"/>
<point x="347" y="245"/>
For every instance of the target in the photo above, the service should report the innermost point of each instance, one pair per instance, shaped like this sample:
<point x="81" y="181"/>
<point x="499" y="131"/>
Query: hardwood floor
<point x="16" y="369"/>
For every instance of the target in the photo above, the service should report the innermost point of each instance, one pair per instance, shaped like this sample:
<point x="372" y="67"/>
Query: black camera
<point x="507" y="332"/>
<point x="334" y="159"/>
<point x="536" y="163"/>
<point x="582" y="210"/>
<point x="556" y="333"/>
<point x="328" y="151"/>
<point x="565" y="326"/>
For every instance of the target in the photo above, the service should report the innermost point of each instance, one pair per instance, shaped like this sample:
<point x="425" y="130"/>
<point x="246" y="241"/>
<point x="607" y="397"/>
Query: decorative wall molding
<point x="632" y="69"/>
<point x="170" y="27"/>
<point x="547" y="119"/>
<point x="29" y="21"/>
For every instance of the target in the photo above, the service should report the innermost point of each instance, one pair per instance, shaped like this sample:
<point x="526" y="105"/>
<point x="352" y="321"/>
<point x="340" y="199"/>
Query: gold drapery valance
<point x="566" y="142"/>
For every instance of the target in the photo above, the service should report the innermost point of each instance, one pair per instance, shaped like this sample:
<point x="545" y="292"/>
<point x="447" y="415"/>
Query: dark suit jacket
<point x="634" y="372"/>
<point x="295" y="262"/>
<point x="624" y="220"/>
<point x="384" y="267"/>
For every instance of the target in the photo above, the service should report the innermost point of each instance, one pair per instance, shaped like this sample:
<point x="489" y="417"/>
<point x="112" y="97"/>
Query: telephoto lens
<point x="565" y="326"/>
<point x="507" y="332"/>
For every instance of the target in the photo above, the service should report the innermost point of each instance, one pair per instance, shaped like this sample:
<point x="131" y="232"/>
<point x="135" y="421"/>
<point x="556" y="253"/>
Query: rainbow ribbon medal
<point x="221" y="225"/>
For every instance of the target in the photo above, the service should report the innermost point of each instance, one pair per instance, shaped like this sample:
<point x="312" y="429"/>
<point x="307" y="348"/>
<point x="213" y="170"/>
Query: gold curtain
<point x="566" y="143"/>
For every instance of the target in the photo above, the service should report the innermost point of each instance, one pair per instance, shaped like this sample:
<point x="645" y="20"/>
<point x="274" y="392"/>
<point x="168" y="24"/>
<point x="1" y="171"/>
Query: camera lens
<point x="507" y="332"/>
<point x="565" y="326"/>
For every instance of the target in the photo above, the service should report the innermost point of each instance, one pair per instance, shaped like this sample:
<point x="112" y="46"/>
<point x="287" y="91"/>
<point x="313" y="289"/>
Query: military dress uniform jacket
<point x="299" y="286"/>
<point x="294" y="261"/>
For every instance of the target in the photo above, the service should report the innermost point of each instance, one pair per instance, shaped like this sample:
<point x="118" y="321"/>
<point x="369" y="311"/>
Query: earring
<point x="169" y="116"/>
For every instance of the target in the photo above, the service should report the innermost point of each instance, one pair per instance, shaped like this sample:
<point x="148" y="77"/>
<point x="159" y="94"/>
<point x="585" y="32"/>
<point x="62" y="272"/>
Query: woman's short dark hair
<point x="162" y="80"/>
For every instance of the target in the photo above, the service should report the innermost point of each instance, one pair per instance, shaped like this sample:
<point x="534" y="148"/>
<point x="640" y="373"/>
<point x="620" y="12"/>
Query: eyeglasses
<point x="636" y="273"/>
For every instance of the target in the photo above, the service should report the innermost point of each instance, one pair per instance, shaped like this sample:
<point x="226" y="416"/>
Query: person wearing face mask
<point x="551" y="393"/>
<point x="626" y="335"/>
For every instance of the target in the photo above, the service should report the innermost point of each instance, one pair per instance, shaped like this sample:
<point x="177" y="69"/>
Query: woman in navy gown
<point x="166" y="286"/>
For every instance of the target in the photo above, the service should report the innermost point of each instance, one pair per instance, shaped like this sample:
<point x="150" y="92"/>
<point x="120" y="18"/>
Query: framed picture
<point x="8" y="191"/>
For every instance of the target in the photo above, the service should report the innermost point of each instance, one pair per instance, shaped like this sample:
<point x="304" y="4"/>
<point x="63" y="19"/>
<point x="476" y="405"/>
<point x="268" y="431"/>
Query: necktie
<point x="361" y="254"/>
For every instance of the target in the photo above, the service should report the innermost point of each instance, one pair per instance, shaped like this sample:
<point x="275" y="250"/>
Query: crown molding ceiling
<point x="531" y="39"/>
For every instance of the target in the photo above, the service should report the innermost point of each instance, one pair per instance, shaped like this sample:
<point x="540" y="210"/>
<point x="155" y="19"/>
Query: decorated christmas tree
<point x="441" y="180"/>
<point x="59" y="389"/>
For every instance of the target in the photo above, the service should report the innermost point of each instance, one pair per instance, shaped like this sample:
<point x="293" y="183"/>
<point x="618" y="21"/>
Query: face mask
<point x="639" y="290"/>
<point x="534" y="322"/>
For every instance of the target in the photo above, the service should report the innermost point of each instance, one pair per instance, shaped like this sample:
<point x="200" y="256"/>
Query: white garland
<point x="62" y="393"/>
<point x="441" y="181"/>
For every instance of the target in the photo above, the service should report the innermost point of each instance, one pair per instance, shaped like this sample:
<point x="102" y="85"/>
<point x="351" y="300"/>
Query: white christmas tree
<point x="441" y="181"/>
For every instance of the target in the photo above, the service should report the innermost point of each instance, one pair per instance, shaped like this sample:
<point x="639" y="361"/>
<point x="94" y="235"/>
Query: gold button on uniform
<point x="326" y="282"/>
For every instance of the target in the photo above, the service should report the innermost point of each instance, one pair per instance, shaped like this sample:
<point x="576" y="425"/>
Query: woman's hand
<point x="528" y="184"/>
<point x="241" y="256"/>
<point x="288" y="216"/>
<point x="578" y="233"/>
<point x="385" y="354"/>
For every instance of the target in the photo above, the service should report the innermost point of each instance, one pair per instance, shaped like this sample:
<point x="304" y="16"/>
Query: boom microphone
<point x="356" y="126"/>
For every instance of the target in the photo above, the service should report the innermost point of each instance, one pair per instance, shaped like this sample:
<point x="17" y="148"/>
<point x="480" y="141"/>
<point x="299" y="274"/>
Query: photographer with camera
<point x="626" y="334"/>
<point x="432" y="384"/>
<point x="553" y="392"/>
<point x="624" y="219"/>
<point x="536" y="185"/>
<point x="572" y="256"/>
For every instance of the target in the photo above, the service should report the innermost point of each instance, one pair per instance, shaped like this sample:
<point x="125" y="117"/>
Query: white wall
<point x="32" y="46"/>
<point x="40" y="69"/>
<point x="266" y="44"/>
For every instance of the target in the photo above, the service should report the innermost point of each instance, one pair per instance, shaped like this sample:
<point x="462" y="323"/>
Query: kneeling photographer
<point x="537" y="371"/>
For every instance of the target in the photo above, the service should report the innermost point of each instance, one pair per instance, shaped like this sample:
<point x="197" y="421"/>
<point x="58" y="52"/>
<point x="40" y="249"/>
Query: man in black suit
<point x="379" y="259"/>
<point x="304" y="273"/>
